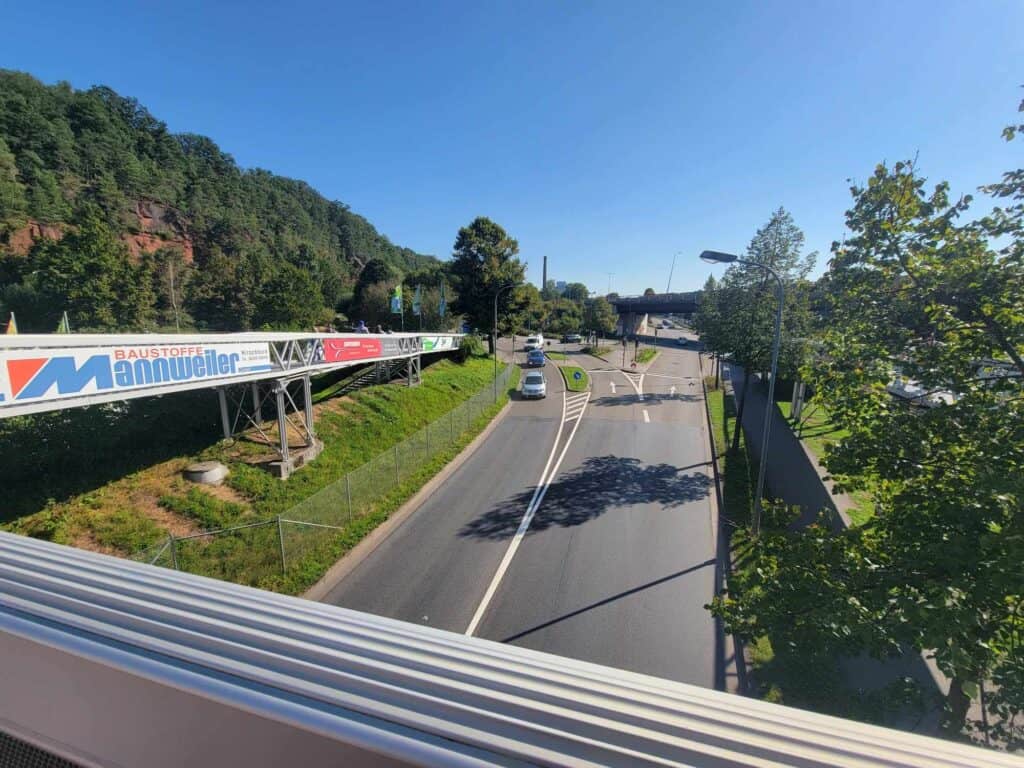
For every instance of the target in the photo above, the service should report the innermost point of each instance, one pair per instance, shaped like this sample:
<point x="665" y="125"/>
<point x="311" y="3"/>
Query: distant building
<point x="560" y="286"/>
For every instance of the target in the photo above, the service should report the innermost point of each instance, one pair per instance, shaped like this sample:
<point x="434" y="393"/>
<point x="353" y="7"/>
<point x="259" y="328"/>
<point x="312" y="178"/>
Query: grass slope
<point x="113" y="483"/>
<point x="817" y="432"/>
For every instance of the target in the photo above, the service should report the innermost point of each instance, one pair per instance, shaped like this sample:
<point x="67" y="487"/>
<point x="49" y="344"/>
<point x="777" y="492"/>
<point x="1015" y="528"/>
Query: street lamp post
<point x="717" y="257"/>
<point x="497" y="293"/>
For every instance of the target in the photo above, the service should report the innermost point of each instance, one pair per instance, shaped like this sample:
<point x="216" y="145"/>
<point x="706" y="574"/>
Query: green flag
<point x="64" y="326"/>
<point x="396" y="300"/>
<point x="417" y="300"/>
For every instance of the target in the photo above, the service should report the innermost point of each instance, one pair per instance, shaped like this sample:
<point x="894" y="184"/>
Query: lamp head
<point x="717" y="257"/>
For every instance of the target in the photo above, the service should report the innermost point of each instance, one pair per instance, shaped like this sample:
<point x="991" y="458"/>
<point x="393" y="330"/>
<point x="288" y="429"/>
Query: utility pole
<point x="610" y="275"/>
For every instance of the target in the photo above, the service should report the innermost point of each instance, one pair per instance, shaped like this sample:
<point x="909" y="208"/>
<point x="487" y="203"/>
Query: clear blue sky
<point x="607" y="135"/>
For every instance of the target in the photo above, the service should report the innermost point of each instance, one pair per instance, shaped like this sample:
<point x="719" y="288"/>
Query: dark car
<point x="682" y="341"/>
<point x="535" y="357"/>
<point x="572" y="338"/>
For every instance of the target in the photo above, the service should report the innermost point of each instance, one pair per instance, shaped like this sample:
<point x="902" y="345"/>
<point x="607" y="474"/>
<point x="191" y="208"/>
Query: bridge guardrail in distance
<point x="106" y="661"/>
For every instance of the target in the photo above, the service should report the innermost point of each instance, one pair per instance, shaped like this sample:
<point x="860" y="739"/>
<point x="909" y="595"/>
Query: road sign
<point x="577" y="375"/>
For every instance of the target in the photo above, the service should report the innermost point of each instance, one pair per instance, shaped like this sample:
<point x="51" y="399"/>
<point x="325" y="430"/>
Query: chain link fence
<point x="257" y="553"/>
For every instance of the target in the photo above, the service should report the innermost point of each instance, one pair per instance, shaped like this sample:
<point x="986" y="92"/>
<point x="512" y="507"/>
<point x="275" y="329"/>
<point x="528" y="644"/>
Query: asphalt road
<point x="619" y="557"/>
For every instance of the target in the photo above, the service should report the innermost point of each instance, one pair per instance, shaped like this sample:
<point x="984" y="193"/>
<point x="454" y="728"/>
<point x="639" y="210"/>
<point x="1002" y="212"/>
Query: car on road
<point x="534" y="342"/>
<point x="535" y="357"/>
<point x="682" y="341"/>
<point x="535" y="385"/>
<point x="572" y="338"/>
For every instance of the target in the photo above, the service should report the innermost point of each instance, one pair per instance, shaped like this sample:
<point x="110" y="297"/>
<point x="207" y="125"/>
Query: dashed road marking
<point x="647" y="417"/>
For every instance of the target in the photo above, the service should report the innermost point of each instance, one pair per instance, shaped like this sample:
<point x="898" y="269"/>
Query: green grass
<point x="817" y="432"/>
<point x="597" y="351"/>
<point x="571" y="382"/>
<point x="557" y="356"/>
<point x="646" y="355"/>
<point x="115" y="483"/>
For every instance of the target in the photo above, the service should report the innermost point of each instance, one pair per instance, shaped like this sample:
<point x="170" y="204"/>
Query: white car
<point x="534" y="342"/>
<point x="535" y="385"/>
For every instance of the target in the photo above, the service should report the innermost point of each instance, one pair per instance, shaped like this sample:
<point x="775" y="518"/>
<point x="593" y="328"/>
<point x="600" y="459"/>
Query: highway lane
<point x="429" y="570"/>
<point x="621" y="557"/>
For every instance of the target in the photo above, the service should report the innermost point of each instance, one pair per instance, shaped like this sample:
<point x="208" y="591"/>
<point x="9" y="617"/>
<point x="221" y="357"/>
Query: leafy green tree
<point x="222" y="294"/>
<point x="564" y="316"/>
<point x="576" y="292"/>
<point x="738" y="316"/>
<point x="290" y="300"/>
<point x="648" y="292"/>
<point x="938" y="568"/>
<point x="12" y="193"/>
<point x="89" y="274"/>
<point x="483" y="261"/>
<point x="599" y="316"/>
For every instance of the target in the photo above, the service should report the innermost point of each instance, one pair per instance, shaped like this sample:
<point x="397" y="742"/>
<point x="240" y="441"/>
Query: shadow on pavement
<point x="600" y="484"/>
<point x="612" y="599"/>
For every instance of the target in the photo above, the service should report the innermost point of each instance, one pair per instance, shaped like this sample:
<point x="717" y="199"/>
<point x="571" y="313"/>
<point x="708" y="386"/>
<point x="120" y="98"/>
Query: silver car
<point x="535" y="385"/>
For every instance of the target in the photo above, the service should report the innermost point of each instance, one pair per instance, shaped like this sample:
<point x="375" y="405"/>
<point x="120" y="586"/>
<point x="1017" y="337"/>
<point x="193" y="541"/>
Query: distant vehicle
<point x="666" y="324"/>
<point x="682" y="341"/>
<point x="535" y="357"/>
<point x="572" y="338"/>
<point x="534" y="342"/>
<point x="535" y="385"/>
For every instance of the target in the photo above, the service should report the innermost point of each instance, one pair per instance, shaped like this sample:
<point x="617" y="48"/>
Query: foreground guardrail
<point x="110" y="662"/>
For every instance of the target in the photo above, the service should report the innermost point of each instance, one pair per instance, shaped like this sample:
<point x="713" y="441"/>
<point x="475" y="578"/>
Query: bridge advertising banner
<point x="55" y="373"/>
<point x="344" y="349"/>
<point x="439" y="343"/>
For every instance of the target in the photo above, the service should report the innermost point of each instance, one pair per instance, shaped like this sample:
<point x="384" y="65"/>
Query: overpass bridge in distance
<point x="633" y="310"/>
<point x="52" y="372"/>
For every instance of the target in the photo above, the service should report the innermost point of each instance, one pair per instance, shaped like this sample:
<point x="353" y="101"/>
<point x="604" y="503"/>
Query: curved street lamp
<point x="717" y="257"/>
<point x="497" y="293"/>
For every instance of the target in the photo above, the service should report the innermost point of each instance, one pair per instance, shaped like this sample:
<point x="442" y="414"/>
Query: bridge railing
<point x="106" y="662"/>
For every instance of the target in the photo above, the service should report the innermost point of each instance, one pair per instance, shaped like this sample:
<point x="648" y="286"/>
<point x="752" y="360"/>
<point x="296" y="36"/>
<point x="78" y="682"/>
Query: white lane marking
<point x="647" y="417"/>
<point x="524" y="524"/>
<point x="612" y="384"/>
<point x="672" y="391"/>
<point x="640" y="387"/>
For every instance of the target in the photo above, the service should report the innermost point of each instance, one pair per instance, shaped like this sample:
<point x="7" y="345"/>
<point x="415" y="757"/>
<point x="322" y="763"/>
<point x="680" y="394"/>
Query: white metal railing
<point x="45" y="372"/>
<point x="111" y="662"/>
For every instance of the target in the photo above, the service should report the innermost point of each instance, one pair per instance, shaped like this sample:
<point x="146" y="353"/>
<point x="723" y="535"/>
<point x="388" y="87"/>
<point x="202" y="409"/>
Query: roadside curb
<point x="351" y="559"/>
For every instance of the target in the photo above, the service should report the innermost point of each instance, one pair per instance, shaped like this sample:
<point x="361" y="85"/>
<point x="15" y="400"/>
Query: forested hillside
<point x="107" y="215"/>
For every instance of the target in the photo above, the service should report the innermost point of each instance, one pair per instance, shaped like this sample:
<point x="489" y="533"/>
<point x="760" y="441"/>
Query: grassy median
<point x="576" y="379"/>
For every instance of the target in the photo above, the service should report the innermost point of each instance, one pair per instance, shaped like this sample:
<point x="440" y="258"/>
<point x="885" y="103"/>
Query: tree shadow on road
<point x="599" y="485"/>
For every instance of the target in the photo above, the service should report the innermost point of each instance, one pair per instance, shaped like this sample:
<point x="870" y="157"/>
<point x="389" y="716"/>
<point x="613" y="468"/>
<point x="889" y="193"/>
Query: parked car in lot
<point x="535" y="357"/>
<point x="534" y="342"/>
<point x="572" y="338"/>
<point x="535" y="385"/>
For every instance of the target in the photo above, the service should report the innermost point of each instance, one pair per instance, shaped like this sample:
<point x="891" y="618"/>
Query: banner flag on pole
<point x="417" y="300"/>
<point x="443" y="304"/>
<point x="12" y="326"/>
<point x="396" y="300"/>
<point x="64" y="326"/>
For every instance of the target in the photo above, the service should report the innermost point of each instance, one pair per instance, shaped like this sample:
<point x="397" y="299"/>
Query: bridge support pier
<point x="413" y="371"/>
<point x="282" y="393"/>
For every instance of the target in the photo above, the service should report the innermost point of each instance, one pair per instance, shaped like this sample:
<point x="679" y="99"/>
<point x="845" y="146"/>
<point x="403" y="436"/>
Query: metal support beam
<point x="307" y="397"/>
<point x="282" y="420"/>
<point x="225" y="419"/>
<point x="257" y="404"/>
<point x="412" y="369"/>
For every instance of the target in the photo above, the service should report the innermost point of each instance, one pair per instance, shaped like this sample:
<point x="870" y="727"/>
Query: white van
<point x="534" y="342"/>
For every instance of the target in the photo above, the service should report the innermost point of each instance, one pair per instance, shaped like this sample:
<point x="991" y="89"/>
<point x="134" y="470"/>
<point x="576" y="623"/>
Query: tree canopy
<point x="69" y="158"/>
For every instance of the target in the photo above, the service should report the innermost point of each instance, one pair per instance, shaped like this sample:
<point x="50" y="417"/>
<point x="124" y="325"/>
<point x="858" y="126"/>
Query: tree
<point x="483" y="261"/>
<point x="738" y="316"/>
<point x="564" y="316"/>
<point x="289" y="300"/>
<point x="938" y="568"/>
<point x="576" y="292"/>
<point x="12" y="193"/>
<point x="598" y="316"/>
<point x="89" y="274"/>
<point x="648" y="291"/>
